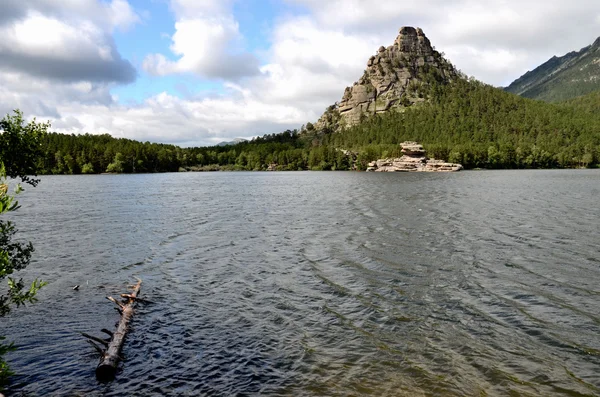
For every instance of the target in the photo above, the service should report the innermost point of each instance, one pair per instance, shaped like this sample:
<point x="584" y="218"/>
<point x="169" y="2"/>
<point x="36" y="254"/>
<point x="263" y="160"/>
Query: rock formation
<point x="414" y="160"/>
<point x="396" y="77"/>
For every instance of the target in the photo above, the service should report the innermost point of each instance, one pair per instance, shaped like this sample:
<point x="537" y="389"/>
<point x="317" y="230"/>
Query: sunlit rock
<point x="414" y="160"/>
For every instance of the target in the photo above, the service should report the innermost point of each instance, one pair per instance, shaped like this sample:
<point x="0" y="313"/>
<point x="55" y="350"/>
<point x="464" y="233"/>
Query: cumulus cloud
<point x="45" y="98"/>
<point x="310" y="66"/>
<point x="206" y="43"/>
<point x="45" y="47"/>
<point x="11" y="10"/>
<point x="202" y="45"/>
<point x="382" y="18"/>
<point x="116" y="14"/>
<point x="166" y="118"/>
<point x="62" y="43"/>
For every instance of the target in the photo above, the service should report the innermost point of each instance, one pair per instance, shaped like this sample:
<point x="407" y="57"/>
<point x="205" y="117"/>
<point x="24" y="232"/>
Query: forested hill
<point x="589" y="103"/>
<point x="92" y="154"/>
<point x="561" y="78"/>
<point x="481" y="126"/>
<point x="466" y="122"/>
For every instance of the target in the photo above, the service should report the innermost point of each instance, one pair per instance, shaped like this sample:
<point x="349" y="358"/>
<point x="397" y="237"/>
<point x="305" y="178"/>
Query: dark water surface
<point x="316" y="284"/>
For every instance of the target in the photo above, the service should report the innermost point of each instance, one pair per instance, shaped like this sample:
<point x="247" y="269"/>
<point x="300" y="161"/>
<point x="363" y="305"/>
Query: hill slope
<point x="561" y="78"/>
<point x="589" y="103"/>
<point x="478" y="125"/>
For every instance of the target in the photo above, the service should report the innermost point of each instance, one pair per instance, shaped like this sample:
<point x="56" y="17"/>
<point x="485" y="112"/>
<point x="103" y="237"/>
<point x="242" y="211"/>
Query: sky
<point x="199" y="72"/>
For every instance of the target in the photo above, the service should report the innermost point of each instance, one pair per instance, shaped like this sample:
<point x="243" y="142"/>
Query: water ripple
<point x="310" y="284"/>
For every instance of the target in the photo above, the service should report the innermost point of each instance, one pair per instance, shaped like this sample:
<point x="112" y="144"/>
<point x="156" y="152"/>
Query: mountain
<point x="574" y="74"/>
<point x="231" y="143"/>
<point x="396" y="77"/>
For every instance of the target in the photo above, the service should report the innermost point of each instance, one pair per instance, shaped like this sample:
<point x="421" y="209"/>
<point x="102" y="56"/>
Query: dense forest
<point x="467" y="122"/>
<point x="477" y="125"/>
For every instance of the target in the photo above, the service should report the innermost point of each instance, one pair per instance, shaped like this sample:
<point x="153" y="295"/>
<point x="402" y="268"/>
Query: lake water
<point x="316" y="284"/>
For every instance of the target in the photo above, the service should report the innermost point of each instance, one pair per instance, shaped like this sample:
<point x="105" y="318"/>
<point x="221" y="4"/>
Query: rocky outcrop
<point x="397" y="76"/>
<point x="414" y="160"/>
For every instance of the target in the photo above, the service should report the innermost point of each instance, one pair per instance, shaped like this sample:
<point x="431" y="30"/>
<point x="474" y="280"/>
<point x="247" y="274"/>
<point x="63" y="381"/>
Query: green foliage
<point x="481" y="126"/>
<point x="87" y="168"/>
<point x="14" y="256"/>
<point x="117" y="166"/>
<point x="5" y="371"/>
<point x="87" y="154"/>
<point x="20" y="146"/>
<point x="19" y="150"/>
<point x="589" y="103"/>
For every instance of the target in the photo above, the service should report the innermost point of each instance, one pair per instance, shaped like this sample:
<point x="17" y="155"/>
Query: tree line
<point x="465" y="122"/>
<point x="93" y="154"/>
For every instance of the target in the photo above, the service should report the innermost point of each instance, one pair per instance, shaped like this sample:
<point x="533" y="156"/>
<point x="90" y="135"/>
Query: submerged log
<point x="107" y="368"/>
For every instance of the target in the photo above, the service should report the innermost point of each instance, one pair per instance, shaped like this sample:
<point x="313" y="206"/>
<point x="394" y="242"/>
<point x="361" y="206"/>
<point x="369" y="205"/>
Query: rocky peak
<point x="411" y="40"/>
<point x="596" y="44"/>
<point x="396" y="77"/>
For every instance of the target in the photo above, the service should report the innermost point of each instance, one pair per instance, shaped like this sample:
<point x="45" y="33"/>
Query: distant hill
<point x="574" y="74"/>
<point x="231" y="143"/>
<point x="589" y="103"/>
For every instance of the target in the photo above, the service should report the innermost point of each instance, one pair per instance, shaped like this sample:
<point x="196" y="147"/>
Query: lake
<point x="316" y="284"/>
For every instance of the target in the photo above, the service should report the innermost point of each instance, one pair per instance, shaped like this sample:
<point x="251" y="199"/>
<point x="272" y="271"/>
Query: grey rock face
<point x="395" y="78"/>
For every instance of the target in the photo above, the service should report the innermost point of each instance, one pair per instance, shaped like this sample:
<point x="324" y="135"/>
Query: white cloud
<point x="53" y="54"/>
<point x="206" y="42"/>
<point x="309" y="66"/>
<point x="116" y="14"/>
<point x="56" y="43"/>
<point x="382" y="17"/>
<point x="39" y="36"/>
<point x="525" y="31"/>
<point x="166" y="118"/>
<point x="202" y="46"/>
<point x="85" y="107"/>
<point x="45" y="98"/>
<point x="121" y="15"/>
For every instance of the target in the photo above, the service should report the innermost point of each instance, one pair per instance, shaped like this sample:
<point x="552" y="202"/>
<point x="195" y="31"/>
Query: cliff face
<point x="396" y="77"/>
<point x="560" y="78"/>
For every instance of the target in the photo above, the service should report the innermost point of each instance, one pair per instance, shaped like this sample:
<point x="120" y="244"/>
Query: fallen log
<point x="107" y="368"/>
